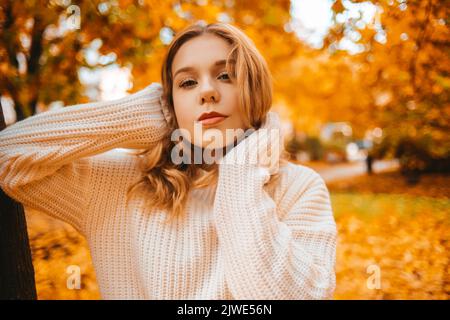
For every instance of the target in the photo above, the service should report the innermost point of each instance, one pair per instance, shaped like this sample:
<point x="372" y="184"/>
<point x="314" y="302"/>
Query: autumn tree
<point x="404" y="67"/>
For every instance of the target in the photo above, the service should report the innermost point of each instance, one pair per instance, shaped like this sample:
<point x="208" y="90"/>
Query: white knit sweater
<point x="241" y="240"/>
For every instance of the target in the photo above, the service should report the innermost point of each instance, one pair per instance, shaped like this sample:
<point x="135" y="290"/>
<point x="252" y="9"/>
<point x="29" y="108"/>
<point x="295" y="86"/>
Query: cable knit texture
<point x="242" y="239"/>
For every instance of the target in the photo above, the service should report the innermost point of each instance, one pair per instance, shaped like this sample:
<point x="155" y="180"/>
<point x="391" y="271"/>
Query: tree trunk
<point x="16" y="266"/>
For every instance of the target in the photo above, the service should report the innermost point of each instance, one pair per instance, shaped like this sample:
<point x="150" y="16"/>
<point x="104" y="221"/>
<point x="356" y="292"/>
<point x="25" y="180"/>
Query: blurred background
<point x="362" y="88"/>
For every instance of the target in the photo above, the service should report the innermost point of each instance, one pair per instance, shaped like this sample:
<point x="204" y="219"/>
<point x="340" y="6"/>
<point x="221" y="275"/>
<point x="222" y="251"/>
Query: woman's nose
<point x="209" y="94"/>
<point x="209" y="97"/>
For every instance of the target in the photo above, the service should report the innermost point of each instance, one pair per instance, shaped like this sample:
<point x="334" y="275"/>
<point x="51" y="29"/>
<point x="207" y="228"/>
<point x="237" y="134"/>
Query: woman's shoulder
<point x="295" y="181"/>
<point x="294" y="173"/>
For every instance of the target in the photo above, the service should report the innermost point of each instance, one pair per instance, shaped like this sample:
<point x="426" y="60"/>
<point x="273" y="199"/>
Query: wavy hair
<point x="168" y="184"/>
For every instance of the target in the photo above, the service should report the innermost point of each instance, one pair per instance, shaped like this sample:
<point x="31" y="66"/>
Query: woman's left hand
<point x="261" y="148"/>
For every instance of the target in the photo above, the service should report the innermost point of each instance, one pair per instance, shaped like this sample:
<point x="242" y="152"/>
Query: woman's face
<point x="201" y="85"/>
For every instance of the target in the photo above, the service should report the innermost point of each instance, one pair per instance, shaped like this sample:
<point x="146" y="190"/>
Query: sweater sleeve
<point x="269" y="258"/>
<point x="45" y="160"/>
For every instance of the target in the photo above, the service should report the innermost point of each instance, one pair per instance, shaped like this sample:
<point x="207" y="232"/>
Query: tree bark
<point x="16" y="266"/>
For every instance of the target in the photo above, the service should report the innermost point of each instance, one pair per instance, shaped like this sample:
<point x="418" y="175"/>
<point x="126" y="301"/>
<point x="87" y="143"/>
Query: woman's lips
<point x="212" y="120"/>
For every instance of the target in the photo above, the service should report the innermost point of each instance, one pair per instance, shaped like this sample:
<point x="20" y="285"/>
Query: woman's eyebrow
<point x="217" y="63"/>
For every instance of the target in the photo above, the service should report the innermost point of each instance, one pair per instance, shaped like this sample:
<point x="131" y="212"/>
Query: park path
<point x="335" y="172"/>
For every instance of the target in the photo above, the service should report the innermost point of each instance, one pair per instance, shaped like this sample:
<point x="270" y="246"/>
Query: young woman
<point x="235" y="229"/>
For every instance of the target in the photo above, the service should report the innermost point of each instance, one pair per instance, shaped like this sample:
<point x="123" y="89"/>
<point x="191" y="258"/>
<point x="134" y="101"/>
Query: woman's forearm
<point x="38" y="146"/>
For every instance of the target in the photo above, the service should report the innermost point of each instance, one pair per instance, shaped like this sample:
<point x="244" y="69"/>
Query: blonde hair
<point x="168" y="184"/>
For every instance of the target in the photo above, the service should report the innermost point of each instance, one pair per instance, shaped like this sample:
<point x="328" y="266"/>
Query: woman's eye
<point x="226" y="76"/>
<point x="187" y="83"/>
